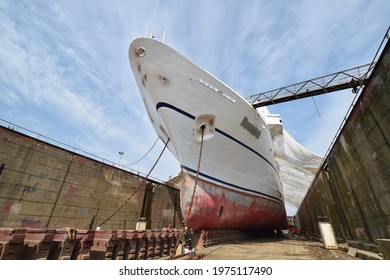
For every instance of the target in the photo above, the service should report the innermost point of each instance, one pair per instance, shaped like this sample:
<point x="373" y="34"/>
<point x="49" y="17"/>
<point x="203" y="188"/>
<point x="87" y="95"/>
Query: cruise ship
<point x="230" y="178"/>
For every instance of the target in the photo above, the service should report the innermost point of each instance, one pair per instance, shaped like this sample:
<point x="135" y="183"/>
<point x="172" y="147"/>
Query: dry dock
<point x="351" y="188"/>
<point x="47" y="190"/>
<point x="68" y="244"/>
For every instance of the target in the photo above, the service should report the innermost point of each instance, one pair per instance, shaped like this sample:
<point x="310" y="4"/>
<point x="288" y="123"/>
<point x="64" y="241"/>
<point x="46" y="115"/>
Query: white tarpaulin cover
<point x="297" y="164"/>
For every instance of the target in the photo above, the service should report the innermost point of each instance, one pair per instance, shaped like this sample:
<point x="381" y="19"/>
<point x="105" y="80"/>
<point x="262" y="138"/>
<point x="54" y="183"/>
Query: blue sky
<point x="64" y="69"/>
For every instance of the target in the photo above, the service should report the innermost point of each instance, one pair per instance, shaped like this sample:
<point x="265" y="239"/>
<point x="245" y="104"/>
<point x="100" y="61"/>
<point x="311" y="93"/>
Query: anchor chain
<point x="142" y="183"/>
<point x="203" y="127"/>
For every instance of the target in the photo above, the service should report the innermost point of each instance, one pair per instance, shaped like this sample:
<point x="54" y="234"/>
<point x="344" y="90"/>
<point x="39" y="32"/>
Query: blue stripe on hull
<point x="170" y="106"/>
<point x="231" y="185"/>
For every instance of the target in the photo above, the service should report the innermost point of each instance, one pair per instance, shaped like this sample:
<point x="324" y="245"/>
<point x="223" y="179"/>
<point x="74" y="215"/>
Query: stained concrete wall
<point x="45" y="186"/>
<point x="352" y="189"/>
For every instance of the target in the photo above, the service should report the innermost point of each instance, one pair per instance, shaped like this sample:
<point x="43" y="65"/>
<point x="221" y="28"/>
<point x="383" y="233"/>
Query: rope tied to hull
<point x="141" y="184"/>
<point x="185" y="229"/>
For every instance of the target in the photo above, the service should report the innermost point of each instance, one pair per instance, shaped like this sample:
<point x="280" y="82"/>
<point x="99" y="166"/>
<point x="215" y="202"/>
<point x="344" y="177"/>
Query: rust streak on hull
<point x="218" y="207"/>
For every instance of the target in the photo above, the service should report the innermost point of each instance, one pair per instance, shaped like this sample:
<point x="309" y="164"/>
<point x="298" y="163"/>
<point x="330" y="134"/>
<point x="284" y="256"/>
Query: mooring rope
<point x="142" y="183"/>
<point x="144" y="154"/>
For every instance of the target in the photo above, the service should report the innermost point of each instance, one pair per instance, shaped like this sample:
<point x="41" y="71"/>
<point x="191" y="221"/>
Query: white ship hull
<point x="239" y="185"/>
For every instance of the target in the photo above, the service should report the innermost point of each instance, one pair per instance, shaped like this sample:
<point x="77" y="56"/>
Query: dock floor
<point x="285" y="248"/>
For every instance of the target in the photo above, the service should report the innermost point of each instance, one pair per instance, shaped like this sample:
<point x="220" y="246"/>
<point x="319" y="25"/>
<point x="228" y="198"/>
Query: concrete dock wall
<point x="352" y="188"/>
<point x="45" y="186"/>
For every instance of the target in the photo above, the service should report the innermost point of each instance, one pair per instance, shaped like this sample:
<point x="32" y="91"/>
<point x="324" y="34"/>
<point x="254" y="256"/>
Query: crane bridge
<point x="351" y="78"/>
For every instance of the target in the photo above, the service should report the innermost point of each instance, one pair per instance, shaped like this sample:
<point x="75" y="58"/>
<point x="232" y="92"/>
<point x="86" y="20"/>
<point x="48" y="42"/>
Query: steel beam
<point x="351" y="78"/>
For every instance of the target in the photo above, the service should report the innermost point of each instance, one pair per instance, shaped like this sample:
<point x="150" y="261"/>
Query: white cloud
<point x="64" y="67"/>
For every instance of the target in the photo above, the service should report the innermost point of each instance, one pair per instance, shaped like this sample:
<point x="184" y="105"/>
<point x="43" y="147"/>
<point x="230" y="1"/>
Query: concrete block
<point x="141" y="225"/>
<point x="352" y="251"/>
<point x="328" y="236"/>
